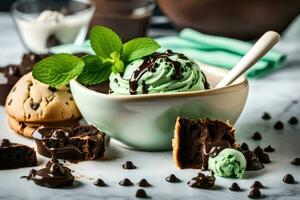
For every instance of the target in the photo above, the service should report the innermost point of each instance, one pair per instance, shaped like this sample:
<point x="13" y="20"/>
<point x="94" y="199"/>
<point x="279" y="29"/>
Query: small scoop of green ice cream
<point x="159" y="73"/>
<point x="228" y="163"/>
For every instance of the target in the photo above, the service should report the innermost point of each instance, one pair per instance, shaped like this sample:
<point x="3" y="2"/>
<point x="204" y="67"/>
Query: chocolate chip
<point x="278" y="125"/>
<point x="257" y="184"/>
<point x="52" y="89"/>
<point x="67" y="103"/>
<point x="52" y="41"/>
<point x="71" y="99"/>
<point x="234" y="187"/>
<point x="256" y="136"/>
<point x="10" y="101"/>
<point x="34" y="106"/>
<point x="269" y="148"/>
<point x="125" y="182"/>
<point x="266" y="116"/>
<point x="245" y="147"/>
<point x="143" y="183"/>
<point x="296" y="161"/>
<point x="4" y="143"/>
<point x="253" y="162"/>
<point x="263" y="157"/>
<point x="288" y="179"/>
<point x="140" y="193"/>
<point x="293" y="120"/>
<point x="254" y="194"/>
<point x="202" y="181"/>
<point x="128" y="165"/>
<point x="99" y="182"/>
<point x="258" y="151"/>
<point x="172" y="179"/>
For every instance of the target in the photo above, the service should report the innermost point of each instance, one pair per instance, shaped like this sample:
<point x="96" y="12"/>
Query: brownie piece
<point x="195" y="140"/>
<point x="70" y="143"/>
<point x="13" y="155"/>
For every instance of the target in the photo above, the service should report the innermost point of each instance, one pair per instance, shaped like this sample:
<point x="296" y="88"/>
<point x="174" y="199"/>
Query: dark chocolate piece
<point x="54" y="175"/>
<point x="263" y="157"/>
<point x="278" y="125"/>
<point x="256" y="136"/>
<point x="172" y="179"/>
<point x="143" y="183"/>
<point x="269" y="149"/>
<point x="253" y="162"/>
<point x="13" y="155"/>
<point x="293" y="120"/>
<point x="52" y="89"/>
<point x="234" y="187"/>
<point x="125" y="182"/>
<point x="194" y="141"/>
<point x="100" y="183"/>
<point x="288" y="179"/>
<point x="257" y="184"/>
<point x="76" y="143"/>
<point x="244" y="146"/>
<point x="140" y="193"/>
<point x="266" y="116"/>
<point x="296" y="161"/>
<point x="34" y="106"/>
<point x="202" y="181"/>
<point x="128" y="165"/>
<point x="254" y="194"/>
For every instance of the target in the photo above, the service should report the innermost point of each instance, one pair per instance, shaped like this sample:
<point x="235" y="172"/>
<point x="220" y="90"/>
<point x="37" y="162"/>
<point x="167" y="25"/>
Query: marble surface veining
<point x="278" y="93"/>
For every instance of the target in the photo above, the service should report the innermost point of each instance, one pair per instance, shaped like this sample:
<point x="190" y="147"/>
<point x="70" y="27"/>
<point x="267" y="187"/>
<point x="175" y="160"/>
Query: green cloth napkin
<point x="213" y="50"/>
<point x="219" y="51"/>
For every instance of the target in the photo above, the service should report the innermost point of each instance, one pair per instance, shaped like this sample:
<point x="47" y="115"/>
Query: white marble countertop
<point x="277" y="93"/>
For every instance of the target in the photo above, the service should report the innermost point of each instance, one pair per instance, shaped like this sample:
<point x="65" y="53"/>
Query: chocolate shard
<point x="266" y="116"/>
<point x="100" y="183"/>
<point x="194" y="141"/>
<point x="125" y="182"/>
<point x="234" y="187"/>
<point x="288" y="179"/>
<point x="202" y="181"/>
<point x="128" y="165"/>
<point x="257" y="184"/>
<point x="278" y="125"/>
<point x="143" y="183"/>
<point x="296" y="162"/>
<point x="14" y="155"/>
<point x="254" y="194"/>
<point x="54" y="175"/>
<point x="172" y="179"/>
<point x="256" y="136"/>
<point x="140" y="193"/>
<point x="73" y="143"/>
<point x="293" y="120"/>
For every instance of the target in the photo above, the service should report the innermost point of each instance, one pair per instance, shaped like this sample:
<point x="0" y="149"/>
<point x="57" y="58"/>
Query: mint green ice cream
<point x="159" y="73"/>
<point x="228" y="163"/>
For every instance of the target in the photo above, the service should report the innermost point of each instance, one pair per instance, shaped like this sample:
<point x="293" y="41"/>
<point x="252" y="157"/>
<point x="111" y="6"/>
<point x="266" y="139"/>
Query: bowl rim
<point x="241" y="82"/>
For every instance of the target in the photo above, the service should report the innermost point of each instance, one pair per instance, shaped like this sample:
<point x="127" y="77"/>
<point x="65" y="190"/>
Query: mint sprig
<point x="112" y="56"/>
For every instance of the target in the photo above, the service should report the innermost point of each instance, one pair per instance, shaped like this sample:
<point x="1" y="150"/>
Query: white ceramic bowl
<point x="146" y="122"/>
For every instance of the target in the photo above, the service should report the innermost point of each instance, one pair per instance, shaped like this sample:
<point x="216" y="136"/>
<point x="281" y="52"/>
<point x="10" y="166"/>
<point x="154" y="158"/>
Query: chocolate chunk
<point x="100" y="183"/>
<point x="54" y="175"/>
<point x="296" y="161"/>
<point x="194" y="141"/>
<point x="256" y="136"/>
<point x="257" y="184"/>
<point x="143" y="183"/>
<point x="266" y="116"/>
<point x="293" y="120"/>
<point x="13" y="155"/>
<point x="234" y="187"/>
<point x="288" y="179"/>
<point x="269" y="149"/>
<point x="76" y="143"/>
<point x="52" y="41"/>
<point x="172" y="179"/>
<point x="140" y="193"/>
<point x="245" y="146"/>
<point x="202" y="181"/>
<point x="52" y="89"/>
<point x="34" y="106"/>
<point x="278" y="125"/>
<point x="125" y="182"/>
<point x="254" y="194"/>
<point x="263" y="157"/>
<point x="128" y="165"/>
<point x="253" y="162"/>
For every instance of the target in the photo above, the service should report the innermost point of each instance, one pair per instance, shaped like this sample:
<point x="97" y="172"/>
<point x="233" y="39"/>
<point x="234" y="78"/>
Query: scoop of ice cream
<point x="159" y="73"/>
<point x="228" y="163"/>
<point x="50" y="16"/>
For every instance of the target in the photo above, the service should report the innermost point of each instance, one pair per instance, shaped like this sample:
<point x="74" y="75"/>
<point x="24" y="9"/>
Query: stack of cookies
<point x="31" y="104"/>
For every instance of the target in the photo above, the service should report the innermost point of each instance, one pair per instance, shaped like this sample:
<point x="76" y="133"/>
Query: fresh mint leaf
<point x="95" y="71"/>
<point x="138" y="48"/>
<point x="105" y="41"/>
<point x="57" y="70"/>
<point x="118" y="65"/>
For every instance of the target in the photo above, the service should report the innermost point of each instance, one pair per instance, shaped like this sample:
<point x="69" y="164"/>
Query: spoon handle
<point x="259" y="49"/>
